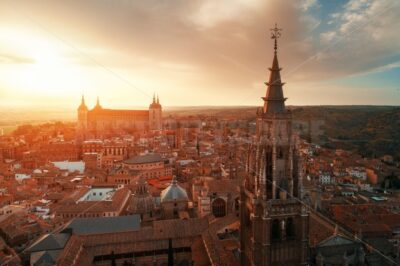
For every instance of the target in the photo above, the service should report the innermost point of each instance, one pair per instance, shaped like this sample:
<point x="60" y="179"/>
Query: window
<point x="290" y="229"/>
<point x="275" y="231"/>
<point x="219" y="207"/>
<point x="280" y="153"/>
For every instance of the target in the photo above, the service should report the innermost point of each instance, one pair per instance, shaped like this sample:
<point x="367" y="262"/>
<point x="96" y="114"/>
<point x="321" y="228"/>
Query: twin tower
<point x="99" y="121"/>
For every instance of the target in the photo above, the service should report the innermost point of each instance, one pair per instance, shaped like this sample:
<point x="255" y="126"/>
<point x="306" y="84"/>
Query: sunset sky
<point x="197" y="52"/>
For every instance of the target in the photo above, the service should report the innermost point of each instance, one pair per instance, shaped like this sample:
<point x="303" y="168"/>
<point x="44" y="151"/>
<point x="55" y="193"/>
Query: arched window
<point x="290" y="229"/>
<point x="219" y="207"/>
<point x="280" y="153"/>
<point x="237" y="204"/>
<point x="275" y="231"/>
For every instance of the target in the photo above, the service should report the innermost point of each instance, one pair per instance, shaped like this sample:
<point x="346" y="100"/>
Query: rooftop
<point x="97" y="194"/>
<point x="173" y="192"/>
<point x="102" y="225"/>
<point x="147" y="158"/>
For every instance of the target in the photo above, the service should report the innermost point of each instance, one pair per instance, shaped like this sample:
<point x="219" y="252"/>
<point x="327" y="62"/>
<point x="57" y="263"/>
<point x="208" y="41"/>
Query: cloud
<point x="210" y="12"/>
<point x="327" y="37"/>
<point x="216" y="48"/>
<point x="307" y="4"/>
<point x="363" y="37"/>
<point x="15" y="59"/>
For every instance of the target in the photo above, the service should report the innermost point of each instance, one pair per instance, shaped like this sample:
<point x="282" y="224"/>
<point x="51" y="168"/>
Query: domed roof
<point x="173" y="192"/>
<point x="142" y="201"/>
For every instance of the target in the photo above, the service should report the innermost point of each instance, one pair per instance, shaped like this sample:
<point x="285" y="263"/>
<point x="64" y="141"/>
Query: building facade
<point x="99" y="120"/>
<point x="274" y="224"/>
<point x="150" y="165"/>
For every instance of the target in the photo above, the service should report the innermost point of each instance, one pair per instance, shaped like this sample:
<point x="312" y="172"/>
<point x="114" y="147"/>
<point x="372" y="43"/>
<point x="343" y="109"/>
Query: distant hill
<point x="373" y="131"/>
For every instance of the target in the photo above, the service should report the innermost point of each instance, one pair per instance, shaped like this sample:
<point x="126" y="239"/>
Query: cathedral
<point x="274" y="223"/>
<point x="98" y="120"/>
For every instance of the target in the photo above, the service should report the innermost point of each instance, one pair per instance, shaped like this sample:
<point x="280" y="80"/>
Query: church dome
<point x="174" y="192"/>
<point x="142" y="202"/>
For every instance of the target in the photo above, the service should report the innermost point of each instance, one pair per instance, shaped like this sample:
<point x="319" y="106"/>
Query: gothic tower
<point x="274" y="224"/>
<point x="82" y="117"/>
<point x="155" y="114"/>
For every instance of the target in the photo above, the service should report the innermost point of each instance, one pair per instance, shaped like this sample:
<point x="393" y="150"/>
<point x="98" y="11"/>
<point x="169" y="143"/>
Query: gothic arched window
<point x="280" y="153"/>
<point x="275" y="231"/>
<point x="290" y="229"/>
<point x="219" y="207"/>
<point x="237" y="206"/>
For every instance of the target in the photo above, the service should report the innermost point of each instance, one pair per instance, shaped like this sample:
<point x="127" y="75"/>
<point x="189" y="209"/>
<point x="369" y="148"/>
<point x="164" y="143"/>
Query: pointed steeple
<point x="98" y="106"/>
<point x="274" y="102"/>
<point x="83" y="106"/>
<point x="156" y="102"/>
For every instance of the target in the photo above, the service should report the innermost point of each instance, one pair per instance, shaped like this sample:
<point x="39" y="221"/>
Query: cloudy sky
<point x="199" y="52"/>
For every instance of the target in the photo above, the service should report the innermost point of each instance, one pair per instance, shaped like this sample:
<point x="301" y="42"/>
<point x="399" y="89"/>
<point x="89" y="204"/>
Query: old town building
<point x="97" y="121"/>
<point x="150" y="165"/>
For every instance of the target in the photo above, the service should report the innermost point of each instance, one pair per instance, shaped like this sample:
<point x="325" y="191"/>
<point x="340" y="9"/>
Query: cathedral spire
<point x="98" y="106"/>
<point x="158" y="100"/>
<point x="83" y="105"/>
<point x="154" y="97"/>
<point x="274" y="102"/>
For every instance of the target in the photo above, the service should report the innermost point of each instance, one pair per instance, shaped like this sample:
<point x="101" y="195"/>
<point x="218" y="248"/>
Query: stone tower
<point x="155" y="114"/>
<point x="274" y="224"/>
<point x="82" y="115"/>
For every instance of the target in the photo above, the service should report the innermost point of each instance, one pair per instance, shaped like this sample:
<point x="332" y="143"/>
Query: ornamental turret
<point x="82" y="115"/>
<point x="155" y="114"/>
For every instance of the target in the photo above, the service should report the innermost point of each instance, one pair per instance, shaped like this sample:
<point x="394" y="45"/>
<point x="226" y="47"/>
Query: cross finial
<point x="275" y="34"/>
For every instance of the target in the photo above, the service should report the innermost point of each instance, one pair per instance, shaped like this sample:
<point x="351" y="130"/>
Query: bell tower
<point x="82" y="116"/>
<point x="155" y="114"/>
<point x="274" y="223"/>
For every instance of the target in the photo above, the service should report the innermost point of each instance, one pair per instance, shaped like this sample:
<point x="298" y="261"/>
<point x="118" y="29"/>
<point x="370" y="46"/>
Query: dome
<point x="173" y="192"/>
<point x="142" y="202"/>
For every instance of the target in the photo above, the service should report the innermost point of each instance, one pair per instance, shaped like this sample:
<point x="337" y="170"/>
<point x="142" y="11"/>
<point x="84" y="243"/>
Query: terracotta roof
<point x="147" y="158"/>
<point x="80" y="250"/>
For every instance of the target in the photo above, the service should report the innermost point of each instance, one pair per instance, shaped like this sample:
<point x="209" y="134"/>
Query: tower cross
<point x="276" y="34"/>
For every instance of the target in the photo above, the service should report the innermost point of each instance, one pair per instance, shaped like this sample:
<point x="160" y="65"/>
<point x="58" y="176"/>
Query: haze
<point x="197" y="52"/>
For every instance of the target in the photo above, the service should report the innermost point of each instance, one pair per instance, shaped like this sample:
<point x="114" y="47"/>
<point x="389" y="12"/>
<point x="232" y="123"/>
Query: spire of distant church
<point x="274" y="102"/>
<point x="154" y="97"/>
<point x="83" y="105"/>
<point x="98" y="106"/>
<point x="158" y="100"/>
